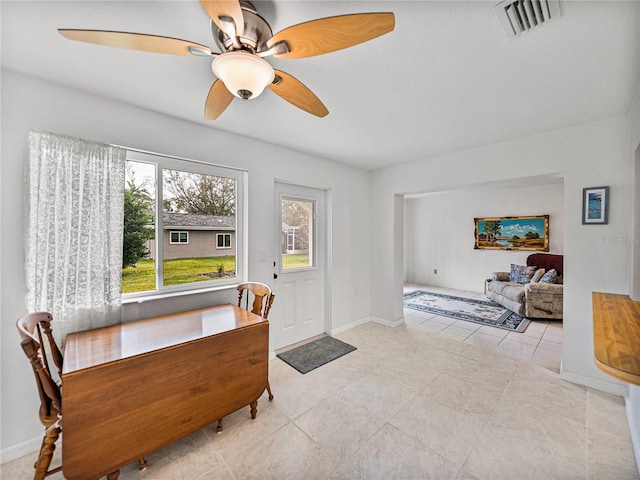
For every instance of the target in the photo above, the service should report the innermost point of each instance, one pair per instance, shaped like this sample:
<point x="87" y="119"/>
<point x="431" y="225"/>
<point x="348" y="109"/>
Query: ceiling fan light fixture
<point x="244" y="38"/>
<point x="244" y="74"/>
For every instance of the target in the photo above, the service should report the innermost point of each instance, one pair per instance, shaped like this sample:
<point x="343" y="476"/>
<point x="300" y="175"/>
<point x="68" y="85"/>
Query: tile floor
<point x="428" y="399"/>
<point x="540" y="343"/>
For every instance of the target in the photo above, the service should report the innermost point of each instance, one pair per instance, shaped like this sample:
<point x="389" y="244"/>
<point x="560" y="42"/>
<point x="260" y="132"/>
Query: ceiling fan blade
<point x="296" y="93"/>
<point x="218" y="100"/>
<point x="218" y="9"/>
<point x="134" y="41"/>
<point x="326" y="35"/>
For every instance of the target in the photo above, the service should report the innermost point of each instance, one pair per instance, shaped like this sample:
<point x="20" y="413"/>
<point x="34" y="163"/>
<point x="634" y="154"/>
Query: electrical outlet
<point x="435" y="270"/>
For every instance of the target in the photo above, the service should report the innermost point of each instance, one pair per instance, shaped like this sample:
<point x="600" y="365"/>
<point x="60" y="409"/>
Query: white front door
<point x="300" y="265"/>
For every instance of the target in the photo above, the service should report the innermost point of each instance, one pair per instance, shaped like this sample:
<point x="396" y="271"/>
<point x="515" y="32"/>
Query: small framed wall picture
<point x="595" y="206"/>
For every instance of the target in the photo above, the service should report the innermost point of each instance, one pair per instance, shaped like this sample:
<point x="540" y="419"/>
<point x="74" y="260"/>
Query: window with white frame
<point x="176" y="250"/>
<point x="223" y="240"/>
<point x="178" y="237"/>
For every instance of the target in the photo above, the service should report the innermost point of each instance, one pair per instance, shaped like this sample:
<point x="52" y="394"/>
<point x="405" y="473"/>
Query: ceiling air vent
<point x="518" y="16"/>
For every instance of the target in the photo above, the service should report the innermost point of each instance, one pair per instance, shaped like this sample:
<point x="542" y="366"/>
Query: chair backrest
<point x="261" y="292"/>
<point x="546" y="261"/>
<point x="31" y="328"/>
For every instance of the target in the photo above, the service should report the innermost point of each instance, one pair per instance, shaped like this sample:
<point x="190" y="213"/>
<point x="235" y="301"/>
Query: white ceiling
<point x="447" y="78"/>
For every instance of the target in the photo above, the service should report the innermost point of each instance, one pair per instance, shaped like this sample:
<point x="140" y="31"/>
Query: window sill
<point x="160" y="296"/>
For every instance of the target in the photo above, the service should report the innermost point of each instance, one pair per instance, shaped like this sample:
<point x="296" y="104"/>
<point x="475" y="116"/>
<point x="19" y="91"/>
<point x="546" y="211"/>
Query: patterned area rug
<point x="314" y="354"/>
<point x="486" y="312"/>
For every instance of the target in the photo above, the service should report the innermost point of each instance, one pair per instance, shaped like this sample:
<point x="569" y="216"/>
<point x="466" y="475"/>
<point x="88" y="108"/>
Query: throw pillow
<point x="521" y="273"/>
<point x="538" y="275"/>
<point x="550" y="277"/>
<point x="500" y="276"/>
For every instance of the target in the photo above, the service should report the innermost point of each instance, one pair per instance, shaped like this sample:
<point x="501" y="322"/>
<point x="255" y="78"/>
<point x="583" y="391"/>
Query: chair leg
<point x="269" y="390"/>
<point x="51" y="435"/>
<point x="219" y="427"/>
<point x="113" y="475"/>
<point x="44" y="439"/>
<point x="142" y="464"/>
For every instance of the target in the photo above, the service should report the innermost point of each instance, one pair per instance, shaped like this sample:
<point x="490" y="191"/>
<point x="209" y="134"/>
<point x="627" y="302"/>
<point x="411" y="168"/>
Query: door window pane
<point x="297" y="233"/>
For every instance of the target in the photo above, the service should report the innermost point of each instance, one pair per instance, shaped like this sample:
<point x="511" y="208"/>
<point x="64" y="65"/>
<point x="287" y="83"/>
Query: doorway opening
<point x="439" y="256"/>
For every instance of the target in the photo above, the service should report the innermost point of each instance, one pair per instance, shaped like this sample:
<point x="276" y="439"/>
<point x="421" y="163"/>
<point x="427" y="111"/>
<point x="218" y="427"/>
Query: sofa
<point x="532" y="291"/>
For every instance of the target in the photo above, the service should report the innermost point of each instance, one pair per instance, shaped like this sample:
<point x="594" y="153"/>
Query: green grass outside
<point x="295" y="260"/>
<point x="142" y="277"/>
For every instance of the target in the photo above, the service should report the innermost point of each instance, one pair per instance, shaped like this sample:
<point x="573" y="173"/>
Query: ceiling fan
<point x="245" y="38"/>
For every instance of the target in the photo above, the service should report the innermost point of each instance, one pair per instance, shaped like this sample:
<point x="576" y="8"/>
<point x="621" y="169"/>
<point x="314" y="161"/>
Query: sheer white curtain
<point x="75" y="209"/>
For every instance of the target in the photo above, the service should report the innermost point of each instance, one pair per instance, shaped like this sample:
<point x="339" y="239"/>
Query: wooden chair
<point x="260" y="292"/>
<point x="262" y="301"/>
<point x="31" y="328"/>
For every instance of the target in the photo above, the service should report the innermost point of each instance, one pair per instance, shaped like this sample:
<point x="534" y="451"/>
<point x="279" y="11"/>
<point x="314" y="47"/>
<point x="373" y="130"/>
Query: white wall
<point x="439" y="232"/>
<point x="28" y="103"/>
<point x="587" y="155"/>
<point x="634" y="240"/>
<point x="633" y="397"/>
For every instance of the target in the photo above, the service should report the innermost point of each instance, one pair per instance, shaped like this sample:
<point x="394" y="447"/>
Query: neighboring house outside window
<point x="295" y="240"/>
<point x="204" y="236"/>
<point x="223" y="241"/>
<point x="179" y="237"/>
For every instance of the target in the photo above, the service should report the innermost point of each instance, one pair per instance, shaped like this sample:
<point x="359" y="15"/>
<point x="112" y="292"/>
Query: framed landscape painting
<point x="512" y="233"/>
<point x="595" y="205"/>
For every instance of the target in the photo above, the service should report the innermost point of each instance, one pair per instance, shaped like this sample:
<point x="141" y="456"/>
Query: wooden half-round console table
<point x="616" y="336"/>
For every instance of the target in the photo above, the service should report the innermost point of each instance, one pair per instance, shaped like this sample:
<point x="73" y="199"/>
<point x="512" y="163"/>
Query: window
<point x="297" y="247"/>
<point x="180" y="248"/>
<point x="179" y="237"/>
<point x="224" y="240"/>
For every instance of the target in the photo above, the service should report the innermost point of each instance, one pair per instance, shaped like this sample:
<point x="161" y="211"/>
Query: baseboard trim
<point x="608" y="387"/>
<point x="362" y="321"/>
<point x="349" y="326"/>
<point x="21" y="449"/>
<point x="635" y="441"/>
<point x="388" y="323"/>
